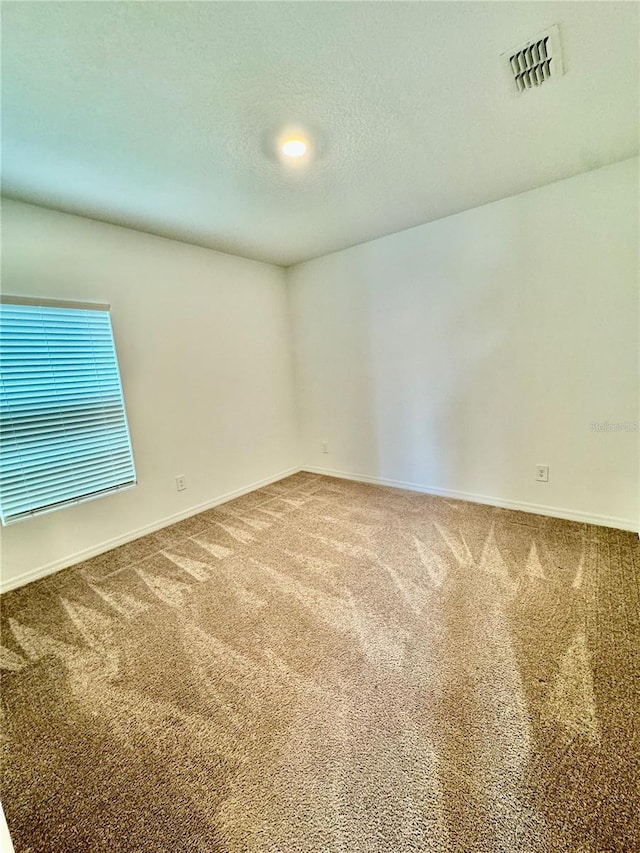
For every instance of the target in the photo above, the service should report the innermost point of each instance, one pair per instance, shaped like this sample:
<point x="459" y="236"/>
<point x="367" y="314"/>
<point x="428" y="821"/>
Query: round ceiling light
<point x="294" y="148"/>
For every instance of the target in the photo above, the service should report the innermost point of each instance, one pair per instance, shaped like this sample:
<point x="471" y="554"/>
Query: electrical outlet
<point x="325" y="446"/>
<point x="542" y="473"/>
<point x="181" y="482"/>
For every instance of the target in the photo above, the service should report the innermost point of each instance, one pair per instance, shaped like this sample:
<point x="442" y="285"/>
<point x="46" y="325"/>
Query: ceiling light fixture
<point x="294" y="148"/>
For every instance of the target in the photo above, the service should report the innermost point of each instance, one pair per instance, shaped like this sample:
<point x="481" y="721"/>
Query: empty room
<point x="319" y="427"/>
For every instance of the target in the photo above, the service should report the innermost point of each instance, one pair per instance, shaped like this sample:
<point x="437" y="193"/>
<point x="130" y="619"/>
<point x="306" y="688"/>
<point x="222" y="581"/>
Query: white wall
<point x="452" y="357"/>
<point x="203" y="343"/>
<point x="6" y="844"/>
<point x="457" y="355"/>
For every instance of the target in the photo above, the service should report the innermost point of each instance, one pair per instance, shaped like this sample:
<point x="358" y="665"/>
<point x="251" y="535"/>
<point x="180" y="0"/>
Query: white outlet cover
<point x="542" y="473"/>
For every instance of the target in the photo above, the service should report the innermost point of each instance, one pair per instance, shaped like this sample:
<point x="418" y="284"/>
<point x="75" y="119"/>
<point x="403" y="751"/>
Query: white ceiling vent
<point x="536" y="61"/>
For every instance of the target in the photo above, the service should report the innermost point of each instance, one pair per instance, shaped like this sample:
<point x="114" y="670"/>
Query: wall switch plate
<point x="181" y="482"/>
<point x="325" y="446"/>
<point x="542" y="473"/>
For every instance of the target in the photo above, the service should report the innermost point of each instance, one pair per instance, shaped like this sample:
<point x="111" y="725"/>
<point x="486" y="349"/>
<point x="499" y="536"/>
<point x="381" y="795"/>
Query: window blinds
<point x="64" y="436"/>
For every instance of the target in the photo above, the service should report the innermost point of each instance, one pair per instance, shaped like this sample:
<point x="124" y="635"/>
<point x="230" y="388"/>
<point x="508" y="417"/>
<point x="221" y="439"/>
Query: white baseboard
<point x="537" y="509"/>
<point x="72" y="559"/>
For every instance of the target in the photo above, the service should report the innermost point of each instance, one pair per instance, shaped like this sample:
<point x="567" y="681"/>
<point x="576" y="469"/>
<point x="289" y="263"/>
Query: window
<point x="64" y="436"/>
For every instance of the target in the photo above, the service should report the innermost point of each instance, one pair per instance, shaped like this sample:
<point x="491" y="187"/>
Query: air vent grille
<point x="537" y="61"/>
<point x="532" y="66"/>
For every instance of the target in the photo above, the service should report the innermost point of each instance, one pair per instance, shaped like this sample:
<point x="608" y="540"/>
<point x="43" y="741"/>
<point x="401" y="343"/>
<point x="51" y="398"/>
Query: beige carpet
<point x="329" y="666"/>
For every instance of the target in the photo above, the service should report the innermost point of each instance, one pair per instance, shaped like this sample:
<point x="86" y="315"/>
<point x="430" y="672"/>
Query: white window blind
<point x="64" y="436"/>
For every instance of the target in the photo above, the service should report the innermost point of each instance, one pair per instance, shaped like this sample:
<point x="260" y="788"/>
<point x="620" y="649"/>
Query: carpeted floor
<point x="329" y="666"/>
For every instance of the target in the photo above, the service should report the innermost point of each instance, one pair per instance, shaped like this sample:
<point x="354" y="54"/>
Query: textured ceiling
<point x="162" y="116"/>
